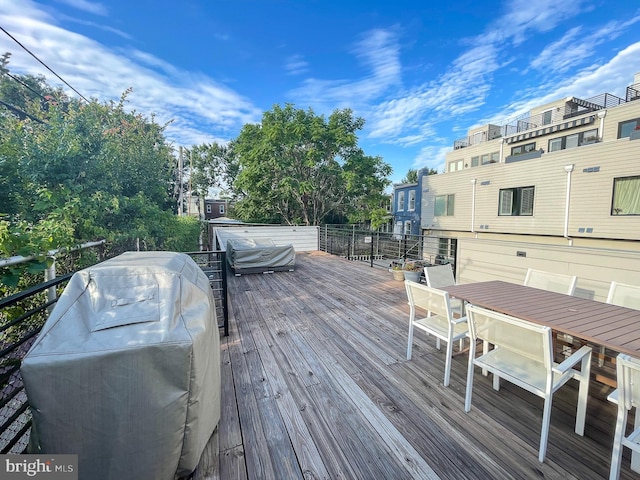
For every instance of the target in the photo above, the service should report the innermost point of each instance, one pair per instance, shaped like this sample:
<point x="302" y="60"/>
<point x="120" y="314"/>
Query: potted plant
<point x="412" y="271"/>
<point x="396" y="270"/>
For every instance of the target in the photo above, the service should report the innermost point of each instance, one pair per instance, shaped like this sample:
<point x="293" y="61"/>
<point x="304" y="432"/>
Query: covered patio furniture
<point x="126" y="370"/>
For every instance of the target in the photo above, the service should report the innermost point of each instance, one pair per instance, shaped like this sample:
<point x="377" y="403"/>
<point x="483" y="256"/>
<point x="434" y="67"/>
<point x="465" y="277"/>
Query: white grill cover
<point x="126" y="371"/>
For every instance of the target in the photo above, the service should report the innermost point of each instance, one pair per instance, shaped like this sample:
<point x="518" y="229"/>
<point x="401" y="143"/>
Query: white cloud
<point x="296" y="65"/>
<point x="86" y="6"/>
<point x="576" y="46"/>
<point x="431" y="157"/>
<point x="611" y="77"/>
<point x="200" y="108"/>
<point x="378" y="51"/>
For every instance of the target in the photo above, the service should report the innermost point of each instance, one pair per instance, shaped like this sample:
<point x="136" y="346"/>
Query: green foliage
<point x="72" y="172"/>
<point x="184" y="234"/>
<point x="411" y="176"/>
<point x="299" y="168"/>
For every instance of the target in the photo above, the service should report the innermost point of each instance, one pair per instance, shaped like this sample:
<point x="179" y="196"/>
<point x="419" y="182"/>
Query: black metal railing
<point x="214" y="265"/>
<point x="22" y="316"/>
<point x="633" y="92"/>
<point x="383" y="249"/>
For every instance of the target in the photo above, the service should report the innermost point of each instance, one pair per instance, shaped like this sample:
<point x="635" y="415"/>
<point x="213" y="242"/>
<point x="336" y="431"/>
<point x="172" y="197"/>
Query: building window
<point x="625" y="128"/>
<point x="516" y="201"/>
<point x="626" y="196"/>
<point x="546" y="117"/>
<point x="444" y="205"/>
<point x="400" y="201"/>
<point x="573" y="140"/>
<point x="221" y="210"/>
<point x="412" y="200"/>
<point x="456" y="165"/>
<point x="528" y="147"/>
<point x="407" y="227"/>
<point x="208" y="208"/>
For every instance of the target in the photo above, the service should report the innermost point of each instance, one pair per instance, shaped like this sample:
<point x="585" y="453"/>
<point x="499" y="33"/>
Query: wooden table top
<point x="617" y="328"/>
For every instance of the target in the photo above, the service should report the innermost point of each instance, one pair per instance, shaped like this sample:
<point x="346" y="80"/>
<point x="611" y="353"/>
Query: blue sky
<point x="420" y="72"/>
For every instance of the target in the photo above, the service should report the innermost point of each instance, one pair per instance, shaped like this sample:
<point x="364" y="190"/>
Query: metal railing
<point x="214" y="265"/>
<point x="383" y="249"/>
<point x="23" y="315"/>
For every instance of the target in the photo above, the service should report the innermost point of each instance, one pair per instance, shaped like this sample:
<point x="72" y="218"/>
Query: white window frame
<point x="412" y="201"/>
<point x="401" y="201"/>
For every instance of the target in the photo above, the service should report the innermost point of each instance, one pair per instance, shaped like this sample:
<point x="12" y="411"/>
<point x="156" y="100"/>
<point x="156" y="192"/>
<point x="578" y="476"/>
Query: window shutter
<point x="526" y="205"/>
<point x="506" y="202"/>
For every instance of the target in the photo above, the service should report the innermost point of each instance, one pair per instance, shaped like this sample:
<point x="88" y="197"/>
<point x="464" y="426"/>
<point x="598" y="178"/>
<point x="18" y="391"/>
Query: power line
<point x="27" y="86"/>
<point x="44" y="64"/>
<point x="22" y="113"/>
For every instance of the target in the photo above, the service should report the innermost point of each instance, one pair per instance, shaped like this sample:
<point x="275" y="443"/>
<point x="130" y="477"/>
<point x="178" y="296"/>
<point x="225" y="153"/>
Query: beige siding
<point x="594" y="169"/>
<point x="491" y="259"/>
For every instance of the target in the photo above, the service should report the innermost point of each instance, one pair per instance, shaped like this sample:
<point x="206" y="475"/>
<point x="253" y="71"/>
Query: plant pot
<point x="398" y="275"/>
<point x="413" y="276"/>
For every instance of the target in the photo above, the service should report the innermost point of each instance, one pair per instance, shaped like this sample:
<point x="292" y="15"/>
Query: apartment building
<point x="558" y="190"/>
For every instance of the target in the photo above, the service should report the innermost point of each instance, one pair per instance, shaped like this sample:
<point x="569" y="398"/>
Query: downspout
<point x="568" y="169"/>
<point x="601" y="115"/>
<point x="501" y="150"/>
<point x="473" y="205"/>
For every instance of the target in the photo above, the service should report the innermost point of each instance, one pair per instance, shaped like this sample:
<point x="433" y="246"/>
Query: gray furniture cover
<point x="126" y="371"/>
<point x="250" y="256"/>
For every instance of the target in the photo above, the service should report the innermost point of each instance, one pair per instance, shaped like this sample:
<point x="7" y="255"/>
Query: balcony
<point x="316" y="385"/>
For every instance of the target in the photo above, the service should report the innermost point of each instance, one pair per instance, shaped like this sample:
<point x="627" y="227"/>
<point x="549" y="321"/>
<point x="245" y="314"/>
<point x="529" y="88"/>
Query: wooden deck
<point x="315" y="384"/>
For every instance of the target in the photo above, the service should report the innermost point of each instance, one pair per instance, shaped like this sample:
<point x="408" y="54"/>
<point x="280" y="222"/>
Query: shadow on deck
<point x="315" y="384"/>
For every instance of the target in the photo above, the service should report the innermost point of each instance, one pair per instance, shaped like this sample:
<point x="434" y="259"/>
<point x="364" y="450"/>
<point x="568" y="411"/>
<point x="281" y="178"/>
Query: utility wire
<point x="44" y="64"/>
<point x="25" y="85"/>
<point x="22" y="113"/>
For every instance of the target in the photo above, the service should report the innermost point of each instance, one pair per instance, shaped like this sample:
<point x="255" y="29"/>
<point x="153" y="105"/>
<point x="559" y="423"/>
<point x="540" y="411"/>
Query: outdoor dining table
<point x="614" y="327"/>
<point x="611" y="326"/>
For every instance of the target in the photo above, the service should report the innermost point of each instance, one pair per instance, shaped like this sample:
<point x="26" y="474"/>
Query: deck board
<point x="316" y="385"/>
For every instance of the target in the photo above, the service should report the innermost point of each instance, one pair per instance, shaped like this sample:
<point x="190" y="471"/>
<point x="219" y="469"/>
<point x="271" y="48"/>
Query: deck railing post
<point x="50" y="274"/>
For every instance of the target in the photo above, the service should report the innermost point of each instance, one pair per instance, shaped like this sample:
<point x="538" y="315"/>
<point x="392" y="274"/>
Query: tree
<point x="296" y="167"/>
<point x="411" y="176"/>
<point x="74" y="171"/>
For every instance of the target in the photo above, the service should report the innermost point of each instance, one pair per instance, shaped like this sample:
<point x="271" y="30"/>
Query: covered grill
<point x="126" y="371"/>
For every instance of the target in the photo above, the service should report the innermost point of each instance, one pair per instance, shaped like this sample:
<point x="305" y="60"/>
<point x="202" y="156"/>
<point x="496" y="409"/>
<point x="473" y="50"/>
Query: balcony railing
<point x="573" y="108"/>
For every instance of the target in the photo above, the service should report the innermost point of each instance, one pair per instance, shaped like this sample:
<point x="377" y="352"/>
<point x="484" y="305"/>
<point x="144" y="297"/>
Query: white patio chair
<point x="624" y="295"/>
<point x="438" y="276"/>
<point x="439" y="320"/>
<point x="627" y="396"/>
<point x="552" y="282"/>
<point x="523" y="355"/>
